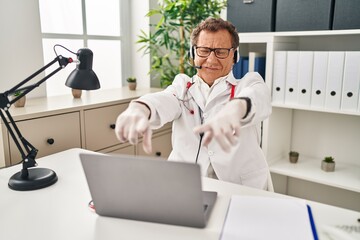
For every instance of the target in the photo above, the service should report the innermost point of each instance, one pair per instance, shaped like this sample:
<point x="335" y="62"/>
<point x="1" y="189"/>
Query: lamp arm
<point x="28" y="151"/>
<point x="63" y="62"/>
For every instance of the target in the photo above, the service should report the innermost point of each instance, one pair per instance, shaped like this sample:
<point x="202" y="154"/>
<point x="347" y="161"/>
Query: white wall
<point x="20" y="43"/>
<point x="140" y="62"/>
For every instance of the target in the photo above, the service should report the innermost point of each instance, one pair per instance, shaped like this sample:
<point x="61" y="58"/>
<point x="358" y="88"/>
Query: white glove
<point x="225" y="126"/>
<point x="134" y="123"/>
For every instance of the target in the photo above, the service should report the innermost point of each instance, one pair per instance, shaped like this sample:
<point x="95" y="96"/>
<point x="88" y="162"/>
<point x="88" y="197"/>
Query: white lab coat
<point x="245" y="164"/>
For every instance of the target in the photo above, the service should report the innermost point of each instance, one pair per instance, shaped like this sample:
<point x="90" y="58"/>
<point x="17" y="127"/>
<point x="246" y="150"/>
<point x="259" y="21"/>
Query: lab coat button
<point x="205" y="115"/>
<point x="210" y="153"/>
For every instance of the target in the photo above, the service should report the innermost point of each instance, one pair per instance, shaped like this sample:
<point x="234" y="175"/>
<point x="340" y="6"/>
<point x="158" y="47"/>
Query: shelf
<point x="346" y="176"/>
<point x="300" y="107"/>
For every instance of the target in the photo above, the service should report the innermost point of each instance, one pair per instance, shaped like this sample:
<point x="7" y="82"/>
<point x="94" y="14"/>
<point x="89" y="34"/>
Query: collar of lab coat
<point x="222" y="88"/>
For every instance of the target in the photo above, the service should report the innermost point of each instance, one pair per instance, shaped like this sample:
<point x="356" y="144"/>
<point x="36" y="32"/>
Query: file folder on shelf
<point x="278" y="218"/>
<point x="334" y="80"/>
<point x="319" y="79"/>
<point x="351" y="82"/>
<point x="291" y="83"/>
<point x="305" y="77"/>
<point x="278" y="86"/>
<point x="257" y="62"/>
<point x="241" y="67"/>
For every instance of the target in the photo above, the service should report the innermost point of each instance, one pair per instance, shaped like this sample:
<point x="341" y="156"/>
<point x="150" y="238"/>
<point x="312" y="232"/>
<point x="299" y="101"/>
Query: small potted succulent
<point x="328" y="164"/>
<point x="293" y="156"/>
<point x="20" y="102"/>
<point x="132" y="83"/>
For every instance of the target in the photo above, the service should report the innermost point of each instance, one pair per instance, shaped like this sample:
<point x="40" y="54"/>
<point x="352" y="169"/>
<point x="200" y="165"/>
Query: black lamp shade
<point x="83" y="77"/>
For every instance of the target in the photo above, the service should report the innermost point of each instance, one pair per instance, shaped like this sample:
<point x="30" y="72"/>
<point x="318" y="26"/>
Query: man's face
<point x="213" y="67"/>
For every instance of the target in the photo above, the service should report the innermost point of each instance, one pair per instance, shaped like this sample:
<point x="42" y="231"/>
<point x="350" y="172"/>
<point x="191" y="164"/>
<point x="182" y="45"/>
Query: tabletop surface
<point x="61" y="211"/>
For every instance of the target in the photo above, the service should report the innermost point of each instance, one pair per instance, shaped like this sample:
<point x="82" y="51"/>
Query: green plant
<point x="168" y="45"/>
<point x="131" y="79"/>
<point x="329" y="159"/>
<point x="17" y="93"/>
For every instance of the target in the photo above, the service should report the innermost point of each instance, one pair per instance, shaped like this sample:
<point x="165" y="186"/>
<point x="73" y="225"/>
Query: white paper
<point x="252" y="217"/>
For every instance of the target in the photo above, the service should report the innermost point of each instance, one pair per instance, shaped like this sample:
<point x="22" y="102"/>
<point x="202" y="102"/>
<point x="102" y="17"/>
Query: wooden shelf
<point x="346" y="176"/>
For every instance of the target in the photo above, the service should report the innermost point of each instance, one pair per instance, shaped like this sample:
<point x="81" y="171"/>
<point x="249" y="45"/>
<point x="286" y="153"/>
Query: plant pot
<point x="76" y="93"/>
<point x="132" y="86"/>
<point x="293" y="158"/>
<point x="328" y="167"/>
<point x="21" y="102"/>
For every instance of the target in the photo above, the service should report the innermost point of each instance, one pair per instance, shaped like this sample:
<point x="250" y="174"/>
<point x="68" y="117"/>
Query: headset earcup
<point x="192" y="52"/>
<point x="236" y="56"/>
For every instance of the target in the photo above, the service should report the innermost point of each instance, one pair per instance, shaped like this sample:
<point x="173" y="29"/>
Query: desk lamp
<point x="83" y="77"/>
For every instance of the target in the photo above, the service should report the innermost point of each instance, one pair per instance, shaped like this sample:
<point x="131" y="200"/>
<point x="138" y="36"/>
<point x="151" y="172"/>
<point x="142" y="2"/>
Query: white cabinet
<point x="58" y="123"/>
<point x="315" y="132"/>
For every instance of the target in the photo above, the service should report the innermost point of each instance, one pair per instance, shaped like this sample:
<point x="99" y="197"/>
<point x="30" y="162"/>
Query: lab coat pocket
<point x="256" y="179"/>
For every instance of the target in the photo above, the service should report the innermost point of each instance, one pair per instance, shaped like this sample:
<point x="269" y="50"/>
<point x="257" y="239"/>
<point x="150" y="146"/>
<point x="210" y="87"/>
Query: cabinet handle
<point x="349" y="94"/>
<point x="50" y="141"/>
<point x="332" y="93"/>
<point x="158" y="154"/>
<point x="112" y="126"/>
<point x="303" y="91"/>
<point x="318" y="92"/>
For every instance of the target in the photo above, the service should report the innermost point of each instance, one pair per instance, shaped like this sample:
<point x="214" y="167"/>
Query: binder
<point x="278" y="86"/>
<point x="319" y="79"/>
<point x="237" y="69"/>
<point x="241" y="67"/>
<point x="334" y="80"/>
<point x="351" y="82"/>
<point x="291" y="83"/>
<point x="257" y="62"/>
<point x="305" y="72"/>
<point x="245" y="66"/>
<point x="278" y="218"/>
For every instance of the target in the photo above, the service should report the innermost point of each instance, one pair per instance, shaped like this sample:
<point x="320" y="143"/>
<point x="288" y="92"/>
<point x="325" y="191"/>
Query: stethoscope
<point x="186" y="101"/>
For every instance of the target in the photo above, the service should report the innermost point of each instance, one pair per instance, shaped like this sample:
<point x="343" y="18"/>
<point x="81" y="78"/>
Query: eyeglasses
<point x="219" y="52"/>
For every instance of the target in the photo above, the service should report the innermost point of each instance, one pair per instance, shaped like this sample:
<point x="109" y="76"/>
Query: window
<point x="76" y="24"/>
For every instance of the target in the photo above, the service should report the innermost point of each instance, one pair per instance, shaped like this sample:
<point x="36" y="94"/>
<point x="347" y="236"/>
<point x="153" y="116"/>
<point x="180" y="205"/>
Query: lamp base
<point x="38" y="178"/>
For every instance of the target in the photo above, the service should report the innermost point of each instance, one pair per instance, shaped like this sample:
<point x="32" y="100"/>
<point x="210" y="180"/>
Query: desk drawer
<point x="48" y="134"/>
<point x="99" y="126"/>
<point x="161" y="146"/>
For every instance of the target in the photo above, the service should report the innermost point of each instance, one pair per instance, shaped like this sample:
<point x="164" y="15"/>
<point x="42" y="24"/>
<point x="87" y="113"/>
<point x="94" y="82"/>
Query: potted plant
<point x="328" y="164"/>
<point x="293" y="156"/>
<point x="131" y="82"/>
<point x="168" y="42"/>
<point x="20" y="102"/>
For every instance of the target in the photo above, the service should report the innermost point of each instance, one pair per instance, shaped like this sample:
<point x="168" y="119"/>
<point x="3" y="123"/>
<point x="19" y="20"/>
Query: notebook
<point x="147" y="189"/>
<point x="257" y="217"/>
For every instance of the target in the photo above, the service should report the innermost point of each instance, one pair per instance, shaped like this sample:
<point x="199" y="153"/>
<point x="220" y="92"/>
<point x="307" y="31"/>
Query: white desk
<point x="61" y="210"/>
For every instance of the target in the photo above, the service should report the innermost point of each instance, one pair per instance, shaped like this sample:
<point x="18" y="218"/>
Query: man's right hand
<point x="134" y="123"/>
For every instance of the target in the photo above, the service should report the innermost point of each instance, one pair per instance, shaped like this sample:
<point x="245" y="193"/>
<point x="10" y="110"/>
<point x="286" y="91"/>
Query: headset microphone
<point x="197" y="67"/>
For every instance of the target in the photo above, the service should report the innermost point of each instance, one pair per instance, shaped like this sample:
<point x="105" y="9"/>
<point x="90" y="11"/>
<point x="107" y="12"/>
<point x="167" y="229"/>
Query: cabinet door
<point x="49" y="134"/>
<point x="161" y="146"/>
<point x="100" y="125"/>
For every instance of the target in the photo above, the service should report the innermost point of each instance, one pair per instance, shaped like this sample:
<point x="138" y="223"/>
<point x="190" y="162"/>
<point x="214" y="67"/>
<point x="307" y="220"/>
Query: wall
<point x="20" y="43"/>
<point x="140" y="62"/>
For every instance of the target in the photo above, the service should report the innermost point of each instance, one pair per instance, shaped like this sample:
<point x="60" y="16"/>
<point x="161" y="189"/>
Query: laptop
<point x="147" y="189"/>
